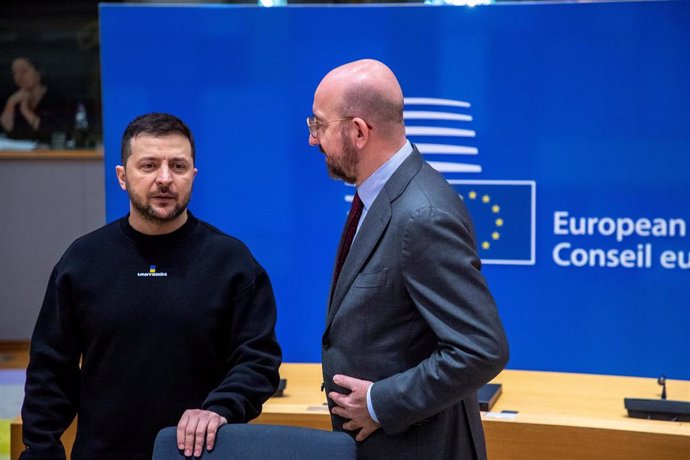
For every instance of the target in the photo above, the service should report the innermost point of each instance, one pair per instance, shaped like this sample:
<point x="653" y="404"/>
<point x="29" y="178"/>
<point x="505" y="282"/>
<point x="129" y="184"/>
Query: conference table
<point x="539" y="415"/>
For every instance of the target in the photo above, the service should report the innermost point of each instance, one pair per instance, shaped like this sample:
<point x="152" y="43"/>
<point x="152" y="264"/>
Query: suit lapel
<point x="369" y="233"/>
<point x="372" y="229"/>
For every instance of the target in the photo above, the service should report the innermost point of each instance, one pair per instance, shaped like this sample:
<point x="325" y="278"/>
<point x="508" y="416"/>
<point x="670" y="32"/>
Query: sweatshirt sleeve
<point x="51" y="393"/>
<point x="253" y="354"/>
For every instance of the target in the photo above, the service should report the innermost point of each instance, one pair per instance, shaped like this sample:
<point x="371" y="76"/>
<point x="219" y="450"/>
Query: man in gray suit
<point x="412" y="330"/>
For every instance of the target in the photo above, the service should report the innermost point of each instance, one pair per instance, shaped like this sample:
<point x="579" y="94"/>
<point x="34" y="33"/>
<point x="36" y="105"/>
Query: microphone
<point x="658" y="409"/>
<point x="662" y="381"/>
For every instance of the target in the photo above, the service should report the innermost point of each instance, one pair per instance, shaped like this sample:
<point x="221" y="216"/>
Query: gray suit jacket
<point x="412" y="313"/>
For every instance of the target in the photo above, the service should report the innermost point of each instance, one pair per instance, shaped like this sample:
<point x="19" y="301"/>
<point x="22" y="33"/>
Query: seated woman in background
<point x="32" y="112"/>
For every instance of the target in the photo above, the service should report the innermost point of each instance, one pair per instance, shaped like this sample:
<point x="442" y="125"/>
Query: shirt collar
<point x="370" y="188"/>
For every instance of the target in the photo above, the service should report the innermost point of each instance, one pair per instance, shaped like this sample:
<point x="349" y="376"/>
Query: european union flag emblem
<point x="503" y="212"/>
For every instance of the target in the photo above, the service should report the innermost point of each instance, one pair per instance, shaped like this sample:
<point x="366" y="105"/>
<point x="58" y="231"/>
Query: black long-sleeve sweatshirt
<point x="160" y="324"/>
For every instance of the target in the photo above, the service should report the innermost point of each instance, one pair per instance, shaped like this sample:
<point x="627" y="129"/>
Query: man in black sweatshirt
<point x="156" y="319"/>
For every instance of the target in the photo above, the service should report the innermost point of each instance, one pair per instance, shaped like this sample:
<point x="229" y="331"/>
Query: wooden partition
<point x="57" y="155"/>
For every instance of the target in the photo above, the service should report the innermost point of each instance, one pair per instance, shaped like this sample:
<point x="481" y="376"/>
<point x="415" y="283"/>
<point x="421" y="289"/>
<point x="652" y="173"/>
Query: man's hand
<point x="354" y="406"/>
<point x="195" y="426"/>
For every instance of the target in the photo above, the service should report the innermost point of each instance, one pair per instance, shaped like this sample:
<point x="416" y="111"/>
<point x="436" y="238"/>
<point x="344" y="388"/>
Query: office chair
<point x="264" y="442"/>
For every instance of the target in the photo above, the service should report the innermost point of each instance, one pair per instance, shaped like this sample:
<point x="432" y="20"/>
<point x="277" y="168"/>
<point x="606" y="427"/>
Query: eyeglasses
<point x="313" y="124"/>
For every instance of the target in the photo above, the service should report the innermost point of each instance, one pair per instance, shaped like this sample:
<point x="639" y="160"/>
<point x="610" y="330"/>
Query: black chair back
<point x="264" y="442"/>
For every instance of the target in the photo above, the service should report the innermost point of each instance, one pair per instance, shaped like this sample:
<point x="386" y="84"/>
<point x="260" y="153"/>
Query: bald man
<point x="412" y="331"/>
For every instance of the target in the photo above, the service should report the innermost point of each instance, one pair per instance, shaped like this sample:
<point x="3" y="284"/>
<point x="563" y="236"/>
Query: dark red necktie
<point x="348" y="235"/>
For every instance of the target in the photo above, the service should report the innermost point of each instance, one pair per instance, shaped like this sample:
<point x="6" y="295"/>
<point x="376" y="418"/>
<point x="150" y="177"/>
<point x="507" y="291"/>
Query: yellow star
<point x="472" y="195"/>
<point x="499" y="222"/>
<point x="486" y="245"/>
<point x="495" y="208"/>
<point x="495" y="235"/>
<point x="486" y="198"/>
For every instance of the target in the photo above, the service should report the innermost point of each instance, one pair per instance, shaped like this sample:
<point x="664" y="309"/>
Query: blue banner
<point x="565" y="127"/>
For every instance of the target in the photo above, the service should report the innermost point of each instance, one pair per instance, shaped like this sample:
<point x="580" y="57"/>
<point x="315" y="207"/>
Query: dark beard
<point x="150" y="215"/>
<point x="346" y="167"/>
<point x="147" y="212"/>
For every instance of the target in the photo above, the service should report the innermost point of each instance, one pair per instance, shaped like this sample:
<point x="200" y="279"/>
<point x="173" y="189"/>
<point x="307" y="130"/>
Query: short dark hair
<point x="155" y="124"/>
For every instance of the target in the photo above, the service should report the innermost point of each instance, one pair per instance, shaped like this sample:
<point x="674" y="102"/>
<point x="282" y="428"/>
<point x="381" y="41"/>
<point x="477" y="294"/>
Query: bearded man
<point x="412" y="330"/>
<point x="156" y="319"/>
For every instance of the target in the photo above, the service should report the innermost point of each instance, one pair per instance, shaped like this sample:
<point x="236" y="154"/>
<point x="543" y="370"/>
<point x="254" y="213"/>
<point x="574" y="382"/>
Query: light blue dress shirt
<point x="372" y="186"/>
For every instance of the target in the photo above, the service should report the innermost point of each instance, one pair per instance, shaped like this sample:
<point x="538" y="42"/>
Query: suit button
<point x="325" y="343"/>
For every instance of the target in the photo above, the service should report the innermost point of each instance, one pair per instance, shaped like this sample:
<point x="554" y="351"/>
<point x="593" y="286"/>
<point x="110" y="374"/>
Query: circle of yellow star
<point x="493" y="208"/>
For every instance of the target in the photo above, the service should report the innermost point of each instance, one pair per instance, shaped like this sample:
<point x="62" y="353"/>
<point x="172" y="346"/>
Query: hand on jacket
<point x="354" y="406"/>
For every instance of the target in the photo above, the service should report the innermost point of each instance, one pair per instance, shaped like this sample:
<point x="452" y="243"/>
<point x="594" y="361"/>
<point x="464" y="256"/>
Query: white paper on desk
<point x="500" y="415"/>
<point x="14" y="144"/>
